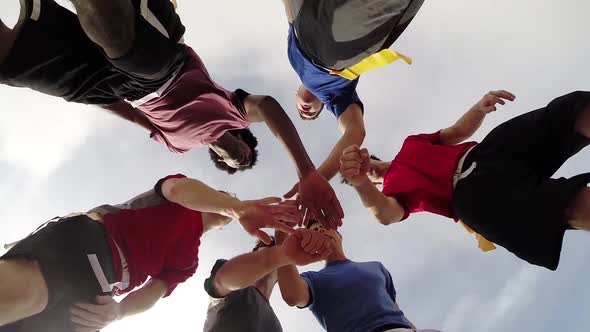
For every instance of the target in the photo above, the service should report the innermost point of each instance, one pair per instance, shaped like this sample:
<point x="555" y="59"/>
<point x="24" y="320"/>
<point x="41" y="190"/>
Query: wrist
<point x="280" y="256"/>
<point x="234" y="209"/>
<point x="362" y="181"/>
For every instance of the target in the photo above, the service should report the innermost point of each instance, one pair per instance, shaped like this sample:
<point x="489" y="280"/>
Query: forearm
<point x="294" y="290"/>
<point x="143" y="299"/>
<point x="196" y="195"/>
<point x="377" y="203"/>
<point x="469" y="123"/>
<point x="331" y="165"/>
<point x="281" y="126"/>
<point x="244" y="270"/>
<point x="125" y="111"/>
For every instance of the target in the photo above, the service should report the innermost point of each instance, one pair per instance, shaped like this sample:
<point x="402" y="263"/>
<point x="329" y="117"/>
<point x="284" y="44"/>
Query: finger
<point x="353" y="155"/>
<point x="504" y="94"/>
<point x="335" y="208"/>
<point x="351" y="164"/>
<point x="306" y="237"/>
<point x="319" y="244"/>
<point x="262" y="236"/>
<point x="91" y="308"/>
<point x="281" y="227"/>
<point x="311" y="244"/>
<point x="281" y="208"/>
<point x="268" y="200"/>
<point x="349" y="173"/>
<point x="350" y="148"/>
<point x="364" y="153"/>
<point x="91" y="319"/>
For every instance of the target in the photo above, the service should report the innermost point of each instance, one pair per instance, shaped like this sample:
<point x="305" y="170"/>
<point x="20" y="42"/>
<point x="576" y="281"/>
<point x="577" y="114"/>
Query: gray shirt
<point x="244" y="310"/>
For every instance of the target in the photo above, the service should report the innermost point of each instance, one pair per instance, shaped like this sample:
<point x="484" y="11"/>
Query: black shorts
<point x="339" y="34"/>
<point x="510" y="197"/>
<point x="53" y="55"/>
<point x="66" y="251"/>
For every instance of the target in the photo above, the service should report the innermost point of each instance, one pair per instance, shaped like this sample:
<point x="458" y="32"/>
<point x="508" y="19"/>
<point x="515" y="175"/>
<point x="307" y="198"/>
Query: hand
<point x="354" y="164"/>
<point x="317" y="199"/>
<point x="94" y="317"/>
<point x="265" y="213"/>
<point x="488" y="103"/>
<point x="305" y="247"/>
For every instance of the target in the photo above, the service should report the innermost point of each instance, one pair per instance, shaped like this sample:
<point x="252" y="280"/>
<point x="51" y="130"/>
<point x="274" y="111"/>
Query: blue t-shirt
<point x="347" y="296"/>
<point x="337" y="93"/>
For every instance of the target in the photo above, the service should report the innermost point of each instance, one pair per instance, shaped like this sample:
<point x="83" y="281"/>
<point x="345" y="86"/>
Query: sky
<point x="57" y="158"/>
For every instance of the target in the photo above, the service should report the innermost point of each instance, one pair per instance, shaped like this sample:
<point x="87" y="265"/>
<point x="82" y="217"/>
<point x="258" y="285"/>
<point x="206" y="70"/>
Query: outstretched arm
<point x="468" y="124"/>
<point x="252" y="215"/>
<point x="127" y="112"/>
<point x="244" y="270"/>
<point x="354" y="165"/>
<point x="353" y="133"/>
<point x="294" y="289"/>
<point x="267" y="109"/>
<point x="96" y="316"/>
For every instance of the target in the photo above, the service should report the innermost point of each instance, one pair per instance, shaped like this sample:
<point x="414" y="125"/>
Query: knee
<point x="23" y="287"/>
<point x="578" y="212"/>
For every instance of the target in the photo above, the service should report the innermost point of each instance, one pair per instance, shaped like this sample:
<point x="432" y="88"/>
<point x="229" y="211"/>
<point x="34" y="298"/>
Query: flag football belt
<point x="374" y="61"/>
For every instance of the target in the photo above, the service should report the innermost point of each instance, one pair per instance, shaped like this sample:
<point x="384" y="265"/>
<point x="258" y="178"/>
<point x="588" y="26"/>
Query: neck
<point x="336" y="257"/>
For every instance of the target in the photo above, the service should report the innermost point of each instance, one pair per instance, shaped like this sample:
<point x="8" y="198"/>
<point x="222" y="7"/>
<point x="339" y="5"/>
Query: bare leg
<point x="583" y="121"/>
<point x="23" y="291"/>
<point x="108" y="23"/>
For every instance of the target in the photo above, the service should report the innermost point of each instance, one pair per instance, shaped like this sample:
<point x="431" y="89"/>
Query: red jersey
<point x="192" y="110"/>
<point x="158" y="238"/>
<point x="420" y="177"/>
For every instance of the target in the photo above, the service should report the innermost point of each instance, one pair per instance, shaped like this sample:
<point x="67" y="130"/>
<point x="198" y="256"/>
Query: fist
<point x="354" y="164"/>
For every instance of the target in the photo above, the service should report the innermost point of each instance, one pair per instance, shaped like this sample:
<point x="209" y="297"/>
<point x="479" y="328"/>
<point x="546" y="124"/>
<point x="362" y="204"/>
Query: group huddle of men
<point x="128" y="57"/>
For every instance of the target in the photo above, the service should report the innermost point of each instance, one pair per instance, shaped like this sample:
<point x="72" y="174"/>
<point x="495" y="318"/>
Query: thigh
<point x="544" y="139"/>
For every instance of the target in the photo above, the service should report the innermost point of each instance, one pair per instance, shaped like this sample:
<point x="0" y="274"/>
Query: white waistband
<point x="458" y="175"/>
<point x="156" y="94"/>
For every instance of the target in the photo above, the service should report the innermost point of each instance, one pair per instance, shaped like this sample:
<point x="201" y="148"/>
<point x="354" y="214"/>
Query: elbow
<point x="384" y="220"/>
<point x="291" y="301"/>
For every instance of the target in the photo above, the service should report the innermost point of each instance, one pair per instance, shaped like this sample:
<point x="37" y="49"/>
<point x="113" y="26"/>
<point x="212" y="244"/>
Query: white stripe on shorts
<point x="99" y="273"/>
<point x="36" y="12"/>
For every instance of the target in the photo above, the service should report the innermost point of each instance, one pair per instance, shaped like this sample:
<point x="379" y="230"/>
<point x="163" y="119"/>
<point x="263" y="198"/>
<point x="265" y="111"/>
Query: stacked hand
<point x="94" y="317"/>
<point x="254" y="215"/>
<point x="317" y="199"/>
<point x="305" y="246"/>
<point x="354" y="164"/>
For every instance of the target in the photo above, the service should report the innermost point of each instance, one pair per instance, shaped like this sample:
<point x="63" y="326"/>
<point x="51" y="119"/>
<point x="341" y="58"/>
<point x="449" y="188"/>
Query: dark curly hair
<point x="343" y="179"/>
<point x="250" y="140"/>
<point x="260" y="244"/>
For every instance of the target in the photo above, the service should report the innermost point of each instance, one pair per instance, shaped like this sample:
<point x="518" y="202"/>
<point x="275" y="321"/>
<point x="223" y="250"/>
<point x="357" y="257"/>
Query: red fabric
<point x="159" y="241"/>
<point x="193" y="111"/>
<point x="421" y="175"/>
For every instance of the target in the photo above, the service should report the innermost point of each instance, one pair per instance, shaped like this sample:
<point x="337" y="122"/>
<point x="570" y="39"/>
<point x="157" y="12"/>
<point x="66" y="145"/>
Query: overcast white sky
<point x="56" y="158"/>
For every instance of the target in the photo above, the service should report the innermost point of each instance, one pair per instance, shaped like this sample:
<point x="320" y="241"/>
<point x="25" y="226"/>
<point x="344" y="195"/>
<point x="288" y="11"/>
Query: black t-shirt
<point x="244" y="310"/>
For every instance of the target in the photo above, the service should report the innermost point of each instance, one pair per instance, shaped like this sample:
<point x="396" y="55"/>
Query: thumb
<point x="292" y="192"/>
<point x="103" y="299"/>
<point x="262" y="236"/>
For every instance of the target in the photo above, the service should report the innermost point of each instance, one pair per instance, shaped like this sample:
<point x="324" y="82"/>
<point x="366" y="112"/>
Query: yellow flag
<point x="484" y="244"/>
<point x="377" y="60"/>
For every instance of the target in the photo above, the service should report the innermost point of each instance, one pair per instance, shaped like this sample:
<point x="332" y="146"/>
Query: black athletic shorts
<point x="68" y="251"/>
<point x="53" y="55"/>
<point x="510" y="197"/>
